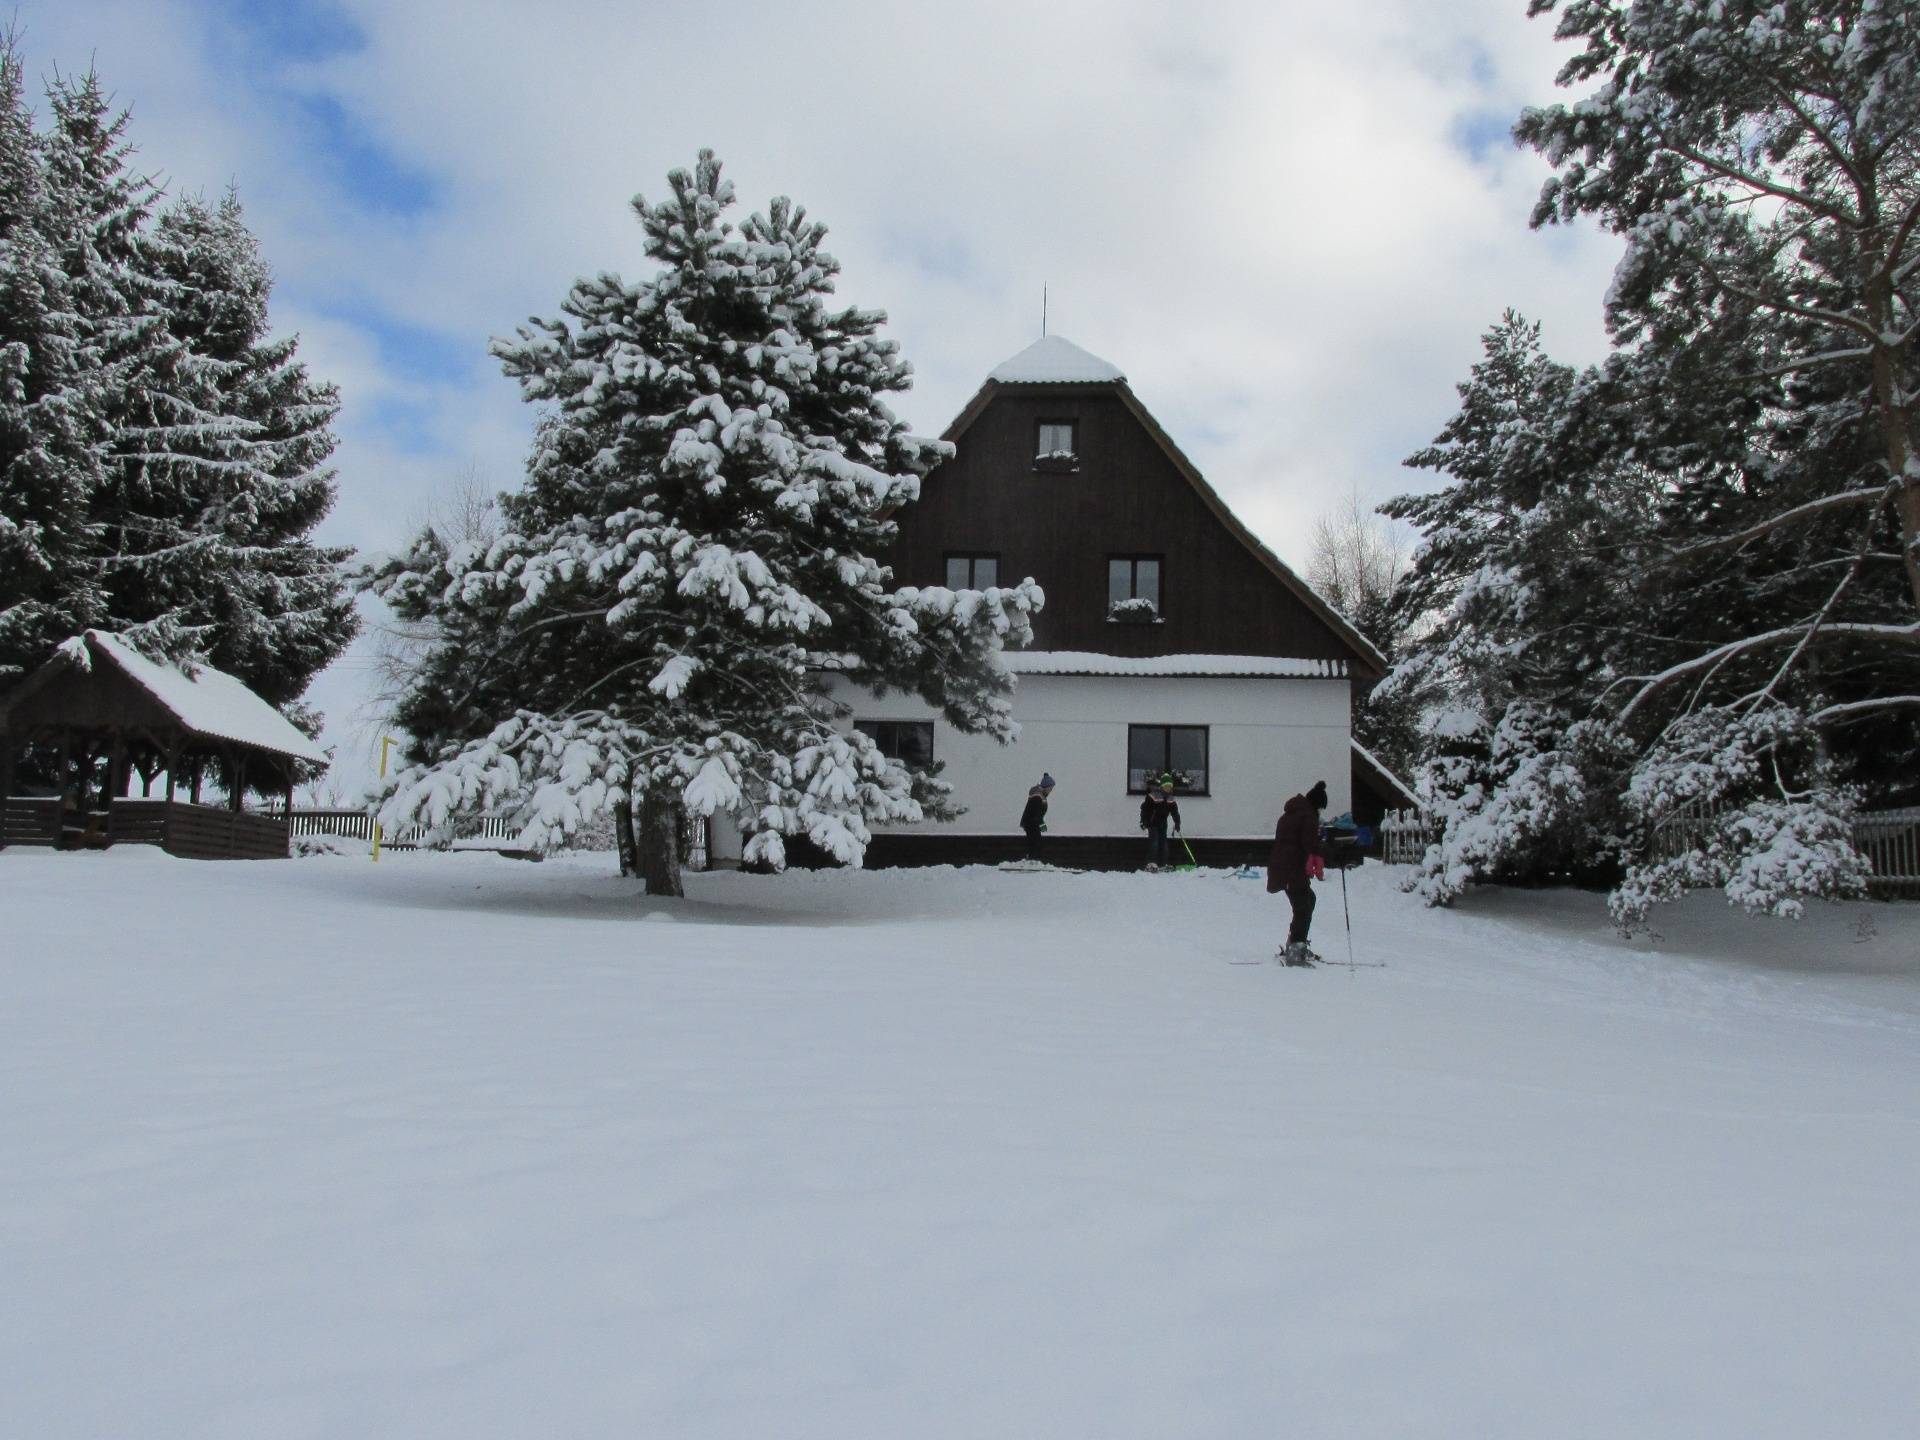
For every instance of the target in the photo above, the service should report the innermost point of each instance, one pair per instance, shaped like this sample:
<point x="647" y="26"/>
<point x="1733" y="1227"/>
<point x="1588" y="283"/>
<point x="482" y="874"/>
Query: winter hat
<point x="1166" y="782"/>
<point x="1317" y="796"/>
<point x="1046" y="781"/>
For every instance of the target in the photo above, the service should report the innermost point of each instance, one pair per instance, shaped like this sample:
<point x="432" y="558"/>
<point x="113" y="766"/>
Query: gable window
<point x="972" y="571"/>
<point x="908" y="741"/>
<point x="1055" y="441"/>
<point x="1133" y="587"/>
<point x="1176" y="750"/>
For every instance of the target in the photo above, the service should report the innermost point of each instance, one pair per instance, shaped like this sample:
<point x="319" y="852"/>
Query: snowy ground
<point x="465" y="1147"/>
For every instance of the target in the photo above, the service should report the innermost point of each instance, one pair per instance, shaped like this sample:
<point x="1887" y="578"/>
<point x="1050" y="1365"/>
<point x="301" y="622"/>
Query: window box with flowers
<point x="1055" y="451"/>
<point x="1138" y="611"/>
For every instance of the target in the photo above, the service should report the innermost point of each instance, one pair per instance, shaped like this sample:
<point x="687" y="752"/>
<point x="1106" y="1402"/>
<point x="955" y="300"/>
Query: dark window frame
<point x="1133" y="578"/>
<point x="1166" y="757"/>
<point x="973" y="558"/>
<point x="874" y="730"/>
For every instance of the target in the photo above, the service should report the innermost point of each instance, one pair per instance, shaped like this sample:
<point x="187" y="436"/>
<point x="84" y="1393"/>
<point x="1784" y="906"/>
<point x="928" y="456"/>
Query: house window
<point x="1132" y="579"/>
<point x="1176" y="750"/>
<point x="1055" y="441"/>
<point x="972" y="572"/>
<point x="908" y="741"/>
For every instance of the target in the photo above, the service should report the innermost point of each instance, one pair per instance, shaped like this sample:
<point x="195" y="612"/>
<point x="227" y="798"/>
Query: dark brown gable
<point x="1133" y="493"/>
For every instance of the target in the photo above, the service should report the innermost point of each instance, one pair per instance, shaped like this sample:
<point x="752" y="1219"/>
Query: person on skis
<point x="1033" y="819"/>
<point x="1158" y="811"/>
<point x="1297" y="860"/>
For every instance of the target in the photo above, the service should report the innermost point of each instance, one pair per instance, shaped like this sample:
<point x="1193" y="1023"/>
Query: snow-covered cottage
<point x="1172" y="639"/>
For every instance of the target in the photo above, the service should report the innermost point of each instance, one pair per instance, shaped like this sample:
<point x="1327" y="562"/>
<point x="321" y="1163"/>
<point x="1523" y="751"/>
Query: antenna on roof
<point x="1043" y="312"/>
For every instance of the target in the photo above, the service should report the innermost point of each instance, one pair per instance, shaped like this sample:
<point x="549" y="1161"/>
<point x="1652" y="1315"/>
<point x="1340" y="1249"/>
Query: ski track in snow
<point x="457" y="1146"/>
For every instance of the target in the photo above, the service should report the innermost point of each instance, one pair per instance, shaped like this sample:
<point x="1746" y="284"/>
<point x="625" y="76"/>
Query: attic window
<point x="1054" y="445"/>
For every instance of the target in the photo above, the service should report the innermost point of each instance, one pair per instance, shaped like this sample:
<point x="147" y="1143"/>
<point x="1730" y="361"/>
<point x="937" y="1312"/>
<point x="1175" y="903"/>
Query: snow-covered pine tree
<point x="215" y="470"/>
<point x="1762" y="162"/>
<point x="1517" y="598"/>
<point x="691" y="555"/>
<point x="268" y="604"/>
<point x="51" y="427"/>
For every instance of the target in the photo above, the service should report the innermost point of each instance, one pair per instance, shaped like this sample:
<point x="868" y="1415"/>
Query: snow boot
<point x="1297" y="954"/>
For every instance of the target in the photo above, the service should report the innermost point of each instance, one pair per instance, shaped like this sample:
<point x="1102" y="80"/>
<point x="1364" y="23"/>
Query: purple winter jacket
<point x="1295" y="837"/>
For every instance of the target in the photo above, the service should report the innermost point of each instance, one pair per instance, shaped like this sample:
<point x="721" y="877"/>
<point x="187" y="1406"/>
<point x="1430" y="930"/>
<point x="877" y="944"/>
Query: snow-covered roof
<point x="1385" y="776"/>
<point x="1086" y="662"/>
<point x="1052" y="360"/>
<point x="209" y="702"/>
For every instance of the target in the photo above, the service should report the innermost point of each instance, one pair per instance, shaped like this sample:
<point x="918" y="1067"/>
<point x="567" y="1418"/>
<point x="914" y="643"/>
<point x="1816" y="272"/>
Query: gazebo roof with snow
<point x="98" y="684"/>
<point x="208" y="705"/>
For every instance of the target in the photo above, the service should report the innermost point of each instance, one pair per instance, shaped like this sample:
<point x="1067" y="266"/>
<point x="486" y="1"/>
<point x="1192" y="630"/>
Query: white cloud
<point x="1263" y="212"/>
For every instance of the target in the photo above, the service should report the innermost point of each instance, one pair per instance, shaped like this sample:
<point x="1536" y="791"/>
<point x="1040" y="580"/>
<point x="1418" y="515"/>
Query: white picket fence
<point x="1890" y="839"/>
<point x="1405" y="836"/>
<point x="358" y="825"/>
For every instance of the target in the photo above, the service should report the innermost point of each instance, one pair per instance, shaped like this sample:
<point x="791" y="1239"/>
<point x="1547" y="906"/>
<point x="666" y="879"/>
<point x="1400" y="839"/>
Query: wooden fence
<point x="1890" y="839"/>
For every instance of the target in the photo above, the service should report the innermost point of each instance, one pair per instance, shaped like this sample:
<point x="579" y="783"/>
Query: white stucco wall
<point x="1268" y="739"/>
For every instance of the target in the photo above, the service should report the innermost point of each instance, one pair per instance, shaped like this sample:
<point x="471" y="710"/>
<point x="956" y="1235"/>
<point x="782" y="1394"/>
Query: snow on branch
<point x="1652" y="684"/>
<point x="1846" y="499"/>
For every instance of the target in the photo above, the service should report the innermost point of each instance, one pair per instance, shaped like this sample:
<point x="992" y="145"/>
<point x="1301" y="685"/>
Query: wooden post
<point x="237" y="779"/>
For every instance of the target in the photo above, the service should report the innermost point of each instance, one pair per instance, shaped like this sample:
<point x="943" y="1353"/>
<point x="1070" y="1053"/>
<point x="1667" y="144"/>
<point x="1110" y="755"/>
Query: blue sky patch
<point x="1483" y="133"/>
<point x="288" y="30"/>
<point x="373" y="176"/>
<point x="265" y="46"/>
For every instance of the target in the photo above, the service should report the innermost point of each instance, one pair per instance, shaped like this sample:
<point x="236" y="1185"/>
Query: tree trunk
<point x="1891" y="401"/>
<point x="623" y="841"/>
<point x="659" y="840"/>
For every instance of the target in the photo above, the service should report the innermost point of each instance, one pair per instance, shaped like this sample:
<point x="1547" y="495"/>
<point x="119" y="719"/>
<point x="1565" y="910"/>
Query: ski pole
<point x="1347" y="911"/>
<point x="1189" y="849"/>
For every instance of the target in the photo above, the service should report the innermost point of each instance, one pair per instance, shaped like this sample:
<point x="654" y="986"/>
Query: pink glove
<point x="1316" y="868"/>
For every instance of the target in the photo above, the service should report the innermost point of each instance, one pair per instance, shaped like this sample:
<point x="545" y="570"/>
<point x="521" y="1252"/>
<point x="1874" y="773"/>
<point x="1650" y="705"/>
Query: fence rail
<point x="358" y="825"/>
<point x="1889" y="839"/>
<point x="1405" y="836"/>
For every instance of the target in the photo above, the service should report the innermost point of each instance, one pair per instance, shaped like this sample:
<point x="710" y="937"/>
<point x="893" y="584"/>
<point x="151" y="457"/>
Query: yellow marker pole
<point x="386" y="742"/>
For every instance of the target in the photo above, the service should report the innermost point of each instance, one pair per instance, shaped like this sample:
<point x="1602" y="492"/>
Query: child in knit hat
<point x="1033" y="819"/>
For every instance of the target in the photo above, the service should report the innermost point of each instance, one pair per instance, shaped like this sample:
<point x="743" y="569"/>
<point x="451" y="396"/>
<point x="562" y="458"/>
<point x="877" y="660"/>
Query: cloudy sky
<point x="1288" y="221"/>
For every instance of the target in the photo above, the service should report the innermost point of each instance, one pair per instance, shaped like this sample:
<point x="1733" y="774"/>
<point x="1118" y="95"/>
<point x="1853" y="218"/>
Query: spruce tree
<point x="1518" y="600"/>
<point x="165" y="457"/>
<point x="52" y="430"/>
<point x="230" y="559"/>
<point x="691" y="559"/>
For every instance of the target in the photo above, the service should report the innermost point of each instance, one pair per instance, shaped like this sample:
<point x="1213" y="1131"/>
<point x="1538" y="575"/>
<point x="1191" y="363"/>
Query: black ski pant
<point x="1300" y="896"/>
<point x="1033" y="843"/>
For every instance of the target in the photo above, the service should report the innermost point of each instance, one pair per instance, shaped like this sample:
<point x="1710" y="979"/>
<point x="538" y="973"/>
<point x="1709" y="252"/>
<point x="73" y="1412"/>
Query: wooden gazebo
<point x="100" y="713"/>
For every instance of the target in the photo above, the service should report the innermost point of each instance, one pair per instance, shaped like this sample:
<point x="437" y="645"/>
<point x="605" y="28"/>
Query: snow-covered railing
<point x="358" y="825"/>
<point x="1405" y="836"/>
<point x="1890" y="839"/>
